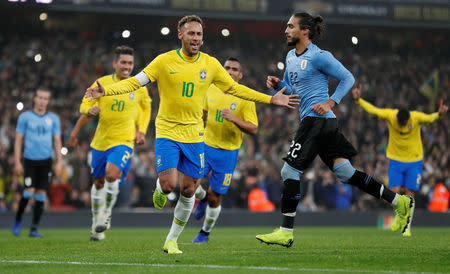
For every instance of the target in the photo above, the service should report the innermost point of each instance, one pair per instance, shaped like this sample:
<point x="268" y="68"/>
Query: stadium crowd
<point x="392" y="68"/>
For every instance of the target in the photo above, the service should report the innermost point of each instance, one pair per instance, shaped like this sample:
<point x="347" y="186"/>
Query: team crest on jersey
<point x="132" y="96"/>
<point x="233" y="106"/>
<point x="48" y="121"/>
<point x="303" y="64"/>
<point x="409" y="126"/>
<point x="203" y="74"/>
<point x="158" y="161"/>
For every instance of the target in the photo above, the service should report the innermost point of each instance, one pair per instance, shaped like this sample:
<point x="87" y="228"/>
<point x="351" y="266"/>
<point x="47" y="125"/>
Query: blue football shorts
<point x="221" y="163"/>
<point x="185" y="157"/>
<point x="120" y="156"/>
<point x="405" y="174"/>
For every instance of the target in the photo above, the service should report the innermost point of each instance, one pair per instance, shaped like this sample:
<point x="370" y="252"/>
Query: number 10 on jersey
<point x="188" y="89"/>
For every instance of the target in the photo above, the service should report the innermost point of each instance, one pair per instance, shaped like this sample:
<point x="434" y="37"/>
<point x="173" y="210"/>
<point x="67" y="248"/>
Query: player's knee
<point x="344" y="171"/>
<point x="214" y="199"/>
<point x="288" y="172"/>
<point x="99" y="183"/>
<point x="187" y="190"/>
<point x="112" y="175"/>
<point x="167" y="184"/>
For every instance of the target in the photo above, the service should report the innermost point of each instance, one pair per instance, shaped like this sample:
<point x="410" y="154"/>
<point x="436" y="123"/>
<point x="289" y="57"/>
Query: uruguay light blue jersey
<point x="307" y="76"/>
<point x="38" y="131"/>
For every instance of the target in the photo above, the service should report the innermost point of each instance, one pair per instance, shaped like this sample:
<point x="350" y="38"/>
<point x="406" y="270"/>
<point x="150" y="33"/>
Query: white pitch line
<point x="217" y="267"/>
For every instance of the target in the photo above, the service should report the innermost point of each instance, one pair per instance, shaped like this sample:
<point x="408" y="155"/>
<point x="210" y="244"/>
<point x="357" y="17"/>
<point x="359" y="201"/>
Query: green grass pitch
<point x="230" y="250"/>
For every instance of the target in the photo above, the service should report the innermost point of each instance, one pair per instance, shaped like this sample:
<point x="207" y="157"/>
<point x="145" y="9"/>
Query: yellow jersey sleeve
<point x="125" y="86"/>
<point x="145" y="109"/>
<point x="153" y="70"/>
<point x="426" y="118"/>
<point x="225" y="83"/>
<point x="249" y="113"/>
<point x="382" y="113"/>
<point x="86" y="105"/>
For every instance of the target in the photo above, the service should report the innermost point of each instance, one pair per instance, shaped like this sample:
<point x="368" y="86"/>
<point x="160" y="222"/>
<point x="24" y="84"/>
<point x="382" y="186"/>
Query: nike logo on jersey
<point x="173" y="72"/>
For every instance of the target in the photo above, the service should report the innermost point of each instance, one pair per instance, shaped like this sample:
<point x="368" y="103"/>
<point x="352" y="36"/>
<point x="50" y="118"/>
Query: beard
<point x="293" y="42"/>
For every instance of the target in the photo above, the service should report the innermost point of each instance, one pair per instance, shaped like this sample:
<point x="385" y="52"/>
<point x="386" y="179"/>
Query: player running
<point x="41" y="130"/>
<point x="227" y="118"/>
<point x="404" y="150"/>
<point x="307" y="71"/>
<point x="183" y="77"/>
<point x="122" y="120"/>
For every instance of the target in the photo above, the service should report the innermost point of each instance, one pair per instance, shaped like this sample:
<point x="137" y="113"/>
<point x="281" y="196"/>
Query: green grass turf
<point x="315" y="250"/>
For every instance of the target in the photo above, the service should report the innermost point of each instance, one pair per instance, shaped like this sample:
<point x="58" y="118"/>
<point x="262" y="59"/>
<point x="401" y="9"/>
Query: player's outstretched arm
<point x="281" y="99"/>
<point x="433" y="117"/>
<point x="122" y="87"/>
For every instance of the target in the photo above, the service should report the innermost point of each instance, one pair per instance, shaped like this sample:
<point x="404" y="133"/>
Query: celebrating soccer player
<point x="122" y="119"/>
<point x="404" y="150"/>
<point x="183" y="77"/>
<point x="40" y="130"/>
<point x="307" y="71"/>
<point x="227" y="118"/>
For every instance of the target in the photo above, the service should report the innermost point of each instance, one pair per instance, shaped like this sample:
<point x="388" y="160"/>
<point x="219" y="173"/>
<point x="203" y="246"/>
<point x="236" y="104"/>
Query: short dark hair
<point x="315" y="24"/>
<point x="123" y="50"/>
<point x="189" y="18"/>
<point x="403" y="116"/>
<point x="234" y="59"/>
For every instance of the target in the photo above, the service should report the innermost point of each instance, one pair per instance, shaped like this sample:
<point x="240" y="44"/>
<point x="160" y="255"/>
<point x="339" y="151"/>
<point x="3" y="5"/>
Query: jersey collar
<point x="187" y="58"/>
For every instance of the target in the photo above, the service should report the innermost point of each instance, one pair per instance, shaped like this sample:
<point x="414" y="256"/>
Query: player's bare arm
<point x="18" y="168"/>
<point x="73" y="141"/>
<point x="442" y="108"/>
<point x="289" y="101"/>
<point x="244" y="126"/>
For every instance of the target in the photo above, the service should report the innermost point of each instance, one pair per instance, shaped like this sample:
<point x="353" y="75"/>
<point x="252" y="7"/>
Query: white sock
<point x="97" y="201"/>
<point x="181" y="216"/>
<point x="158" y="187"/>
<point x="112" y="190"/>
<point x="200" y="193"/>
<point x="394" y="202"/>
<point x="211" y="216"/>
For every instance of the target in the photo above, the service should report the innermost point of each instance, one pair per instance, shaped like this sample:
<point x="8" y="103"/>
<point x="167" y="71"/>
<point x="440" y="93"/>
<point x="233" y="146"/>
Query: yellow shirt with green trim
<point x="405" y="143"/>
<point x="220" y="133"/>
<point x="119" y="117"/>
<point x="182" y="84"/>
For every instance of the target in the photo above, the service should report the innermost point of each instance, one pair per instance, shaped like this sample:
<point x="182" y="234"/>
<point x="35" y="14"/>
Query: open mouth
<point x="195" y="46"/>
<point x="125" y="72"/>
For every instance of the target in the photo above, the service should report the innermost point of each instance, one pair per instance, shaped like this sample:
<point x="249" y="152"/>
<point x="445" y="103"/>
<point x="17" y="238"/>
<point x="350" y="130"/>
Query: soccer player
<point x="404" y="151"/>
<point x="41" y="130"/>
<point x="183" y="77"/>
<point x="227" y="118"/>
<point x="122" y="119"/>
<point x="307" y="71"/>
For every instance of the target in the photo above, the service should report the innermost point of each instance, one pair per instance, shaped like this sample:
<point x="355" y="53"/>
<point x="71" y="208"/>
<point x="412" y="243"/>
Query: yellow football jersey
<point x="119" y="116"/>
<point x="220" y="133"/>
<point x="405" y="143"/>
<point x="182" y="84"/>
